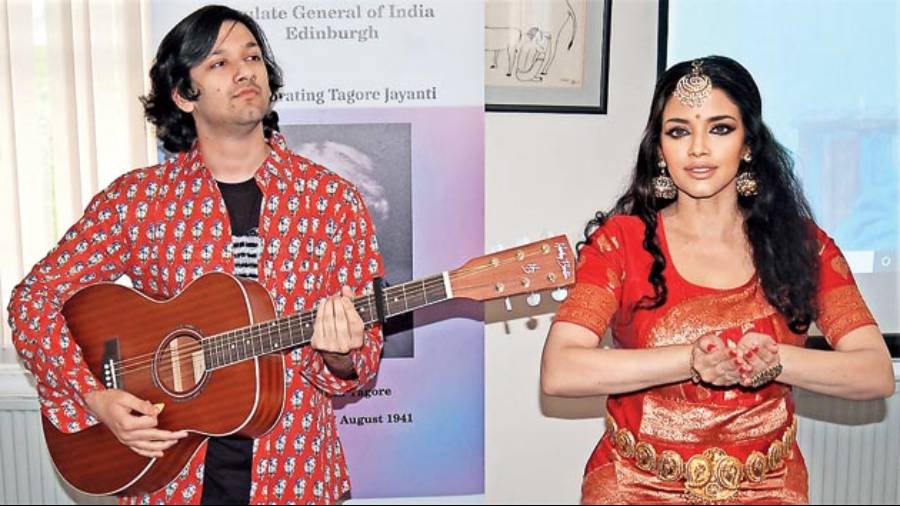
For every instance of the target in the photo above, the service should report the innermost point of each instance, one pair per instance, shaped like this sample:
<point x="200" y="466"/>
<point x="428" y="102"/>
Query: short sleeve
<point x="841" y="306"/>
<point x="597" y="294"/>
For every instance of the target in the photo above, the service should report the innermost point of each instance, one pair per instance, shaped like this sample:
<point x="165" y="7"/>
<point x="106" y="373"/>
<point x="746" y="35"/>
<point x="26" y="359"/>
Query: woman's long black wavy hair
<point x="779" y="223"/>
<point x="184" y="47"/>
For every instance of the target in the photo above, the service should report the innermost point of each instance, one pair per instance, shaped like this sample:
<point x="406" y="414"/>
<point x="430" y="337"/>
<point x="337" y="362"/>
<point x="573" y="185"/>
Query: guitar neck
<point x="235" y="346"/>
<point x="532" y="267"/>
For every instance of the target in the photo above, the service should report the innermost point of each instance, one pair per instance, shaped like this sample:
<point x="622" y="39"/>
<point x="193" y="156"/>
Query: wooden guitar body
<point x="143" y="335"/>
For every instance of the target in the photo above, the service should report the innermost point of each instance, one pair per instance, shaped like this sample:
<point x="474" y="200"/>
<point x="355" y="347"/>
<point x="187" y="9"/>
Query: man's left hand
<point x="337" y="331"/>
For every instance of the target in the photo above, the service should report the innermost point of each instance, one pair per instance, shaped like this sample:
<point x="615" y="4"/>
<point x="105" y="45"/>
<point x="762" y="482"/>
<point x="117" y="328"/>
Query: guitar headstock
<point x="529" y="268"/>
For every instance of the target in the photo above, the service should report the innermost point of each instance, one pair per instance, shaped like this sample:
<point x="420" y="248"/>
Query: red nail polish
<point x="732" y="353"/>
<point x="748" y="355"/>
<point x="710" y="347"/>
<point x="756" y="349"/>
<point x="737" y="363"/>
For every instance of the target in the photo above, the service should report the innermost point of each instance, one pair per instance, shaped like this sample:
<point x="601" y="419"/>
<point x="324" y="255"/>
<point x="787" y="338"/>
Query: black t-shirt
<point x="229" y="459"/>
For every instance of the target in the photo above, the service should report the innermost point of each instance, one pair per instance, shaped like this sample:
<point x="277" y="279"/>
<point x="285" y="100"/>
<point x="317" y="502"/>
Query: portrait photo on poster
<point x="377" y="159"/>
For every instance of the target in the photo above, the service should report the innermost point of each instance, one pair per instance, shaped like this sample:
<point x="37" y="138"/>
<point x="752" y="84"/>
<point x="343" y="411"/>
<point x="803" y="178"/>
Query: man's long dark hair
<point x="779" y="223"/>
<point x="183" y="48"/>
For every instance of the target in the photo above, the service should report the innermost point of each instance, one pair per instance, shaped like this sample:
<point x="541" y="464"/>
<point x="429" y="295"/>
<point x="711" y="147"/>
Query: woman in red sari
<point x="709" y="272"/>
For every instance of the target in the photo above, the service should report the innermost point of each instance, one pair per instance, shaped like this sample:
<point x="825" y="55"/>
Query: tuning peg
<point x="534" y="299"/>
<point x="559" y="294"/>
<point x="508" y="303"/>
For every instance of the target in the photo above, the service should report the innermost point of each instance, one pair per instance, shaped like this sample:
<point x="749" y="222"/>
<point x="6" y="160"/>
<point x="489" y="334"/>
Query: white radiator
<point x="26" y="473"/>
<point x="852" y="449"/>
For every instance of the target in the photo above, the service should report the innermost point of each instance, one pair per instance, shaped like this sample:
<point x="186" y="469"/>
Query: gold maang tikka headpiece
<point x="693" y="89"/>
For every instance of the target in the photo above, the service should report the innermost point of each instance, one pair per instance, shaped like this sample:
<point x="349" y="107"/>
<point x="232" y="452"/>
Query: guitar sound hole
<point x="180" y="368"/>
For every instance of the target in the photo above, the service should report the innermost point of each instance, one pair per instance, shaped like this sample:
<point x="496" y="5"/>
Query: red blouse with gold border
<point x="685" y="442"/>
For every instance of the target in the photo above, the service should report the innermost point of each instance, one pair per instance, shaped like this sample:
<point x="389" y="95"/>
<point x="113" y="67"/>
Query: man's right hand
<point x="133" y="421"/>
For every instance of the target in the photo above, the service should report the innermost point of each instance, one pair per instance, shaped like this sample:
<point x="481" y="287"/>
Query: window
<point x="70" y="121"/>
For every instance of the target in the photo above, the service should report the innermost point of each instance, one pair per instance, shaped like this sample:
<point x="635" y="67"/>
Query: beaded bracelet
<point x="766" y="376"/>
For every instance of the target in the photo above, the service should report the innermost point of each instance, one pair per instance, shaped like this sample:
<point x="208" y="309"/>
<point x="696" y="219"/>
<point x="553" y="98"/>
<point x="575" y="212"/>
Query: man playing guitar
<point x="235" y="199"/>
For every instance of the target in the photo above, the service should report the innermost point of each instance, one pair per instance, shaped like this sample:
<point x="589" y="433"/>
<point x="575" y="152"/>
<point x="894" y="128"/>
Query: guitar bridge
<point x="112" y="375"/>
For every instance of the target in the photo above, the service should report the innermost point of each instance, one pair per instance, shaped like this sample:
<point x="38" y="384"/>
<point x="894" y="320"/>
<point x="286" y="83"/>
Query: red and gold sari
<point x="685" y="442"/>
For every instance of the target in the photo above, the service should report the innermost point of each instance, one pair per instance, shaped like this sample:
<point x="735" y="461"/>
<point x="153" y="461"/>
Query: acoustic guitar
<point x="214" y="355"/>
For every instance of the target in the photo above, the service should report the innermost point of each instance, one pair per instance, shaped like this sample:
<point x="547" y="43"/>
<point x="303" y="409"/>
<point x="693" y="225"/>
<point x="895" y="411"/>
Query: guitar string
<point x="228" y="342"/>
<point x="365" y="302"/>
<point x="139" y="363"/>
<point x="301" y="318"/>
<point x="225" y="341"/>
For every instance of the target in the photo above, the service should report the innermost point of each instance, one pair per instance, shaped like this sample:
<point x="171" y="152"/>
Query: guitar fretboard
<point x="235" y="346"/>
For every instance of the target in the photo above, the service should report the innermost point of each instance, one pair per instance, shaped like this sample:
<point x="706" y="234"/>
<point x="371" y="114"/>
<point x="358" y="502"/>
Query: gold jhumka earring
<point x="746" y="182"/>
<point x="663" y="186"/>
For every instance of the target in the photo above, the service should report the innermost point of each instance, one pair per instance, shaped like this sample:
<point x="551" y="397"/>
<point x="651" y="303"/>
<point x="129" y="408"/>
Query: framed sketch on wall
<point x="547" y="55"/>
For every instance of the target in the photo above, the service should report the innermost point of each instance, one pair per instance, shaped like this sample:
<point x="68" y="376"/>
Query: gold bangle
<point x="766" y="376"/>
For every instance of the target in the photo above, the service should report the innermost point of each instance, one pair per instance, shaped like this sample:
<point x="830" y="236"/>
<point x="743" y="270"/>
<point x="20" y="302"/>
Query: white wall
<point x="548" y="174"/>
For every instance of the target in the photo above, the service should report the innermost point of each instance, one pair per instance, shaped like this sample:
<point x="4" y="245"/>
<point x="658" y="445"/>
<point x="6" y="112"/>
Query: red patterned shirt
<point x="164" y="226"/>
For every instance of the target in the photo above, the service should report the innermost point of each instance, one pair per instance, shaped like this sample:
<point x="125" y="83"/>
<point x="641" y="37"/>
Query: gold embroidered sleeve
<point x="590" y="306"/>
<point x="599" y="275"/>
<point x="842" y="310"/>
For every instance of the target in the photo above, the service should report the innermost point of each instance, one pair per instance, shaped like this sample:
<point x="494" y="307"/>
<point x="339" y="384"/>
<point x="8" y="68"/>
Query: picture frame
<point x="547" y="56"/>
